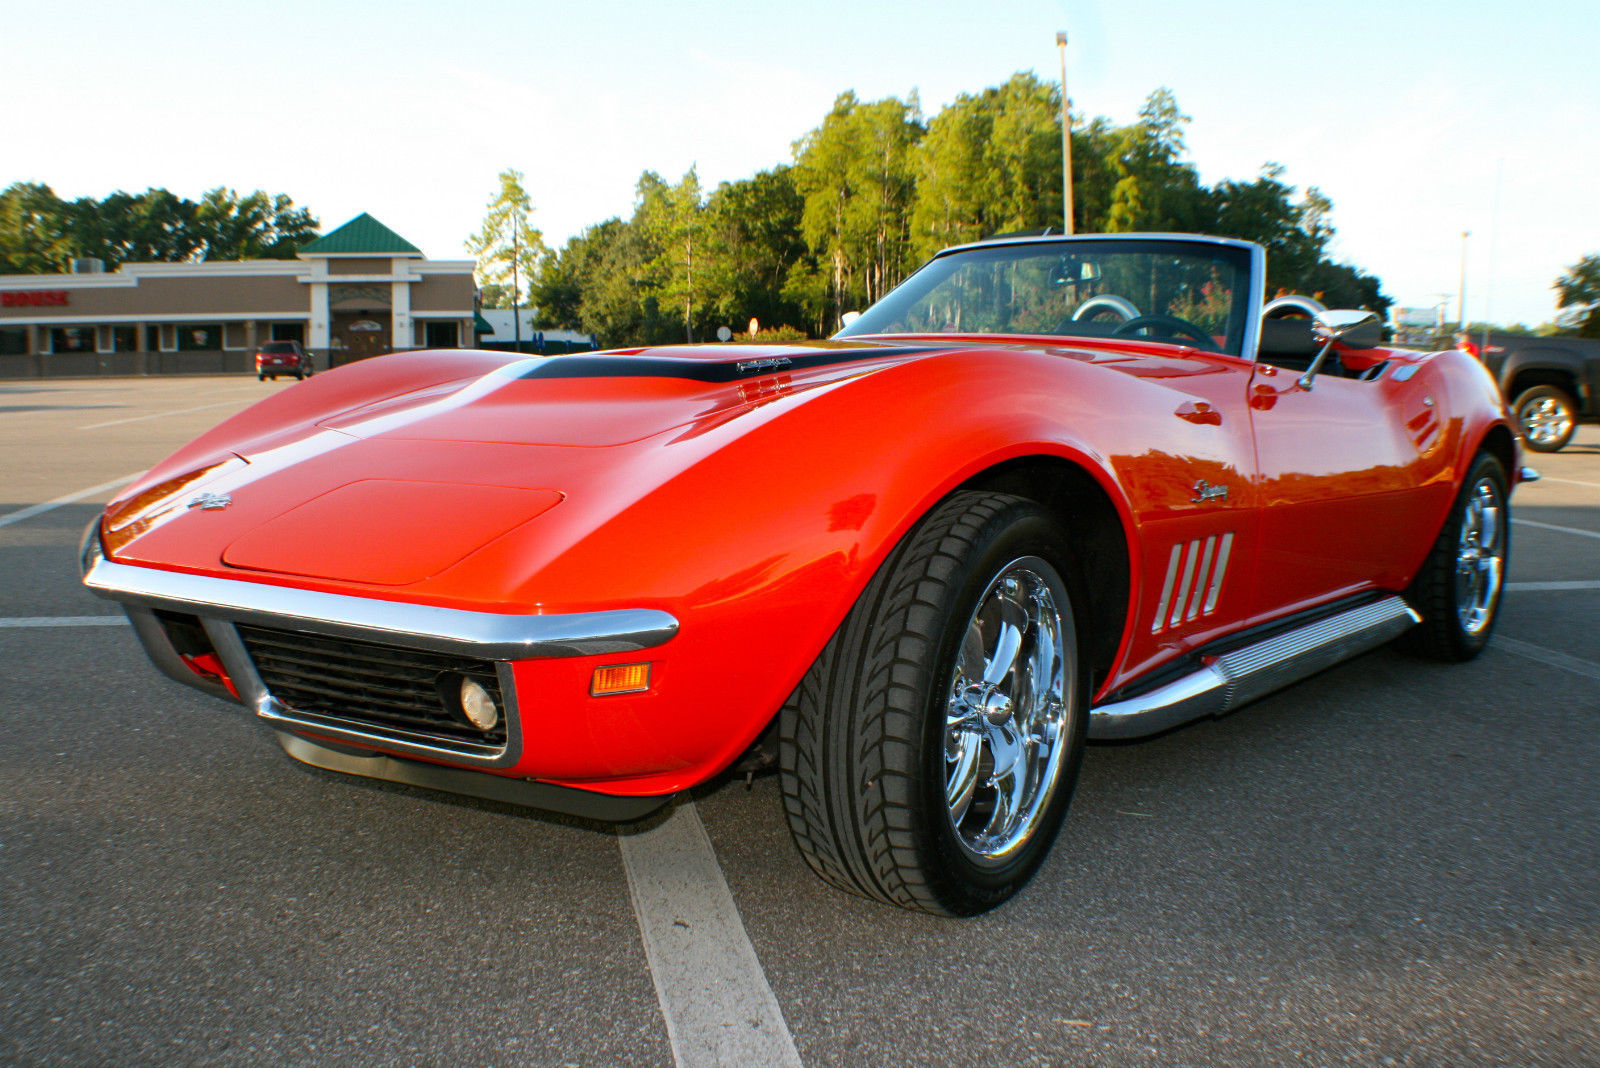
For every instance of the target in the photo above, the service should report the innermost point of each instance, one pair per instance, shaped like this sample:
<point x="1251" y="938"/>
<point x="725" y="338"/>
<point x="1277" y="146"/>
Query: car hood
<point x="398" y="490"/>
<point x="614" y="398"/>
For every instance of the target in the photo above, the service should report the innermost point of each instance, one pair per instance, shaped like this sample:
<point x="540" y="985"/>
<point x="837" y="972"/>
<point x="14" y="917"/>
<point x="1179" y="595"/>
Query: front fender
<point x="763" y="536"/>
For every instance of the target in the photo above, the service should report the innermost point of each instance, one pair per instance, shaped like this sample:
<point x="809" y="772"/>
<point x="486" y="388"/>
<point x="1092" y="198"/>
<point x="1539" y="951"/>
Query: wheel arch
<point x="1503" y="445"/>
<point x="1089" y="515"/>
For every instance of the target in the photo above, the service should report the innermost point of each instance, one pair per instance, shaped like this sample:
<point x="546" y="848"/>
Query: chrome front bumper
<point x="220" y="605"/>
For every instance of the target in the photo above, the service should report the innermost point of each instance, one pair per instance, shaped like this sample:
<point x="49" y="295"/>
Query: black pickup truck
<point x="1551" y="383"/>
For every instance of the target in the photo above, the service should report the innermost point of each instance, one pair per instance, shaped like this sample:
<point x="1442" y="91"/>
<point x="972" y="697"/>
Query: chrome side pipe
<point x="1243" y="675"/>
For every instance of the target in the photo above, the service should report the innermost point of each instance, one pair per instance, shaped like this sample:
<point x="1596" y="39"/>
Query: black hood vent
<point x="610" y="366"/>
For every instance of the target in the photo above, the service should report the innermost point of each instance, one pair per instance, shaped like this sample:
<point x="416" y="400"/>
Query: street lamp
<point x="1461" y="291"/>
<point x="1066" y="139"/>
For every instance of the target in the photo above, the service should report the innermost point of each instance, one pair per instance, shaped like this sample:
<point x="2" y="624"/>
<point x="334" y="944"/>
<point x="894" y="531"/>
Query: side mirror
<point x="1353" y="329"/>
<point x="849" y="317"/>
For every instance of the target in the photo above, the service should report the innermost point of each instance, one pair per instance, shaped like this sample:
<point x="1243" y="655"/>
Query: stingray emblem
<point x="776" y="363"/>
<point x="211" y="502"/>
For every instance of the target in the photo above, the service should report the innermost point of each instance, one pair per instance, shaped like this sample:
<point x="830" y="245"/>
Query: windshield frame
<point x="1244" y="254"/>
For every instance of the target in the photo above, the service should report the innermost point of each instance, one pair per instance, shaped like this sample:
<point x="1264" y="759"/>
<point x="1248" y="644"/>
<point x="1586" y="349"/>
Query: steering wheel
<point x="1172" y="326"/>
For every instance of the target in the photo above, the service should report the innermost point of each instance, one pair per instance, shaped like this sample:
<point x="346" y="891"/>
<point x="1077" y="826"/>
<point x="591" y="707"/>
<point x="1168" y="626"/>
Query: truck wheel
<point x="1458" y="590"/>
<point x="928" y="757"/>
<point x="1546" y="416"/>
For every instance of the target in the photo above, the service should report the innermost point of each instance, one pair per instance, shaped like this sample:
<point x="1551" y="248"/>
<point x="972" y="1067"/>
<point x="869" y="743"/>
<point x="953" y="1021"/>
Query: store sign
<point x="34" y="298"/>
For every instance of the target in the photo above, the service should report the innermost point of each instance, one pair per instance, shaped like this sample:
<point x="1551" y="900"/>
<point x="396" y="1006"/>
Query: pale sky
<point x="1419" y="118"/>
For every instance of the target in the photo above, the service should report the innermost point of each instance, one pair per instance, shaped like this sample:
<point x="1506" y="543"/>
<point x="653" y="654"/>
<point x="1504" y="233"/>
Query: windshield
<point x="1185" y="292"/>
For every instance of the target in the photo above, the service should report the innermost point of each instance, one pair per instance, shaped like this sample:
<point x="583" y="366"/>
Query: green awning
<point x="480" y="325"/>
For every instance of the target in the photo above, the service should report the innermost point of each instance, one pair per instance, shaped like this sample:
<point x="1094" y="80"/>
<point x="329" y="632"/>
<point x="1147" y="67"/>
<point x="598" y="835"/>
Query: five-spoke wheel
<point x="1006" y="710"/>
<point x="928" y="756"/>
<point x="1458" y="590"/>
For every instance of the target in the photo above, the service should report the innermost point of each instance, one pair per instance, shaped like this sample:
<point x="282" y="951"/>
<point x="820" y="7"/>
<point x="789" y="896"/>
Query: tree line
<point x="41" y="233"/>
<point x="872" y="192"/>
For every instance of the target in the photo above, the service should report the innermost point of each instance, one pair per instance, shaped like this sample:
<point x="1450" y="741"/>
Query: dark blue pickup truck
<point x="1551" y="383"/>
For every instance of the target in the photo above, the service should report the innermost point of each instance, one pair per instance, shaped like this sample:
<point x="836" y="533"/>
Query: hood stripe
<point x="603" y="366"/>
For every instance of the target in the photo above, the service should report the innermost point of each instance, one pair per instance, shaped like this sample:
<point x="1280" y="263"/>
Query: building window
<point x="442" y="335"/>
<point x="72" y="339"/>
<point x="13" y="341"/>
<point x="124" y="339"/>
<point x="152" y="339"/>
<point x="205" y="338"/>
<point x="289" y="332"/>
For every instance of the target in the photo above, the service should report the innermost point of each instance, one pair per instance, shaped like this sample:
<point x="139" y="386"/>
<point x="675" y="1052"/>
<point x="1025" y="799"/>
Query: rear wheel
<point x="1458" y="590"/>
<point x="1546" y="416"/>
<point x="929" y="755"/>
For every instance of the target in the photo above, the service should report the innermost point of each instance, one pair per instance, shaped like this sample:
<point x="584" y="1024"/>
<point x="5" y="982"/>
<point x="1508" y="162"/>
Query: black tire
<point x="1546" y="418"/>
<point x="1459" y="588"/>
<point x="261" y="378"/>
<point x="865" y="748"/>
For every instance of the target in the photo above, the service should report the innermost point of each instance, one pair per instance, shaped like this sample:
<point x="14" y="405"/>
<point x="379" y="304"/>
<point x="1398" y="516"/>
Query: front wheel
<point x="929" y="755"/>
<point x="1546" y="416"/>
<point x="1458" y="590"/>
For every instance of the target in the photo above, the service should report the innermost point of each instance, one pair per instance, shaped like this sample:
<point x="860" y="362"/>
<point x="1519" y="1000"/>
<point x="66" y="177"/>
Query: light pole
<point x="516" y="280"/>
<point x="1461" y="290"/>
<point x="1066" y="139"/>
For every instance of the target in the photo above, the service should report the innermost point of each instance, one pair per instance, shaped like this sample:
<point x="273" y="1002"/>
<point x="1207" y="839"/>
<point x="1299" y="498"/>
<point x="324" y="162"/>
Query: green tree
<point x="254" y="226"/>
<point x="755" y="243"/>
<point x="673" y="218"/>
<point x="1578" y="296"/>
<point x="33" y="230"/>
<point x="990" y="163"/>
<point x="1154" y="189"/>
<point x="508" y="247"/>
<point x="857" y="178"/>
<point x="41" y="233"/>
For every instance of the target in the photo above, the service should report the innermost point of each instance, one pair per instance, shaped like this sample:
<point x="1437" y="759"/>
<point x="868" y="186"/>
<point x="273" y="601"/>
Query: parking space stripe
<point x="1551" y="587"/>
<point x="1559" y="530"/>
<point x="72" y="498"/>
<point x="1576" y="665"/>
<point x="1569" y="482"/>
<point x="718" y="1006"/>
<point x="163" y="415"/>
<point x="64" y="621"/>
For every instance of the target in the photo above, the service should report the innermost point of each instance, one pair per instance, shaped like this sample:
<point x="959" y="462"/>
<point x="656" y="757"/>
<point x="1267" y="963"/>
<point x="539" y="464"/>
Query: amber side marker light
<point x="619" y="678"/>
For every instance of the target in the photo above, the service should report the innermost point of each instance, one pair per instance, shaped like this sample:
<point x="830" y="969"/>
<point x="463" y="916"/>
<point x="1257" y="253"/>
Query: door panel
<point x="1343" y="483"/>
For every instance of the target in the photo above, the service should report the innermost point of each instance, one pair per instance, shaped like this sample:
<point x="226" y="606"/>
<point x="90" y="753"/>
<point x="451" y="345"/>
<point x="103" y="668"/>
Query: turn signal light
<point x="620" y="678"/>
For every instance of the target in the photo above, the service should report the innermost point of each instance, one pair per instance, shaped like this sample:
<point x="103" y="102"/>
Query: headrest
<point x="1287" y="337"/>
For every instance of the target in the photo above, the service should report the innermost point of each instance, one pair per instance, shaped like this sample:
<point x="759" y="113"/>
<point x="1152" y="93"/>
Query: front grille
<point x="377" y="689"/>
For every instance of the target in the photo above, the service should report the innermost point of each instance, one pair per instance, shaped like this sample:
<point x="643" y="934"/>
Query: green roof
<point x="361" y="236"/>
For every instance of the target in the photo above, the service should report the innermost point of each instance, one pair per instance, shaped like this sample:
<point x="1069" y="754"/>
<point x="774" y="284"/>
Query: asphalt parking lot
<point x="1393" y="863"/>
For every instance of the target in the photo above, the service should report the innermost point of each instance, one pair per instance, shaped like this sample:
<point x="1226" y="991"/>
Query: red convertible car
<point x="1047" y="490"/>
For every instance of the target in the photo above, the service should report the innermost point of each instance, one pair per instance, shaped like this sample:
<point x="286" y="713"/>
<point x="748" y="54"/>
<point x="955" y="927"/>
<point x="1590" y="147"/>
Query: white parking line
<point x="163" y="415"/>
<point x="1559" y="530"/>
<point x="1551" y="587"/>
<point x="64" y="621"/>
<point x="72" y="498"/>
<point x="718" y="1007"/>
<point x="1576" y="665"/>
<point x="1569" y="482"/>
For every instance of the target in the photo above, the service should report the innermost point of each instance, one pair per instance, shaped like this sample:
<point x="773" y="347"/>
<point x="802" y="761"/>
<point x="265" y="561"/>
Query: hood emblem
<point x="769" y="363"/>
<point x="211" y="502"/>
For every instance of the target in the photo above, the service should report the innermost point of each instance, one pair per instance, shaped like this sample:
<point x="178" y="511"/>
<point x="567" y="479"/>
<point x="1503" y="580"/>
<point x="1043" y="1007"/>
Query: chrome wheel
<point x="1007" y="718"/>
<point x="1480" y="556"/>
